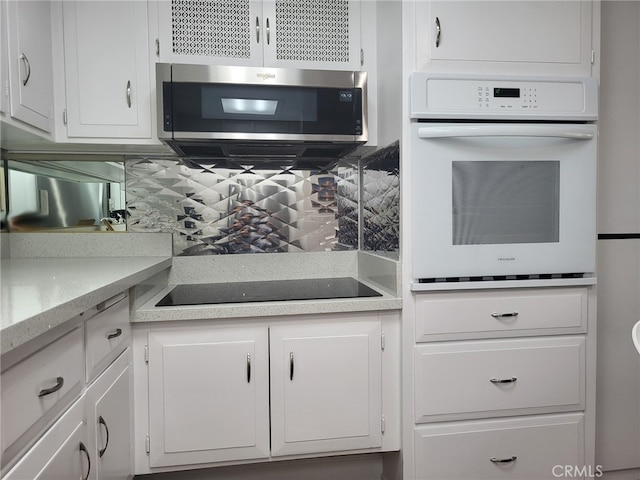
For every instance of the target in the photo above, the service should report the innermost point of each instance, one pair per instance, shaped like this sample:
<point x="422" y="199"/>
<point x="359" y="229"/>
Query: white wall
<point x="618" y="371"/>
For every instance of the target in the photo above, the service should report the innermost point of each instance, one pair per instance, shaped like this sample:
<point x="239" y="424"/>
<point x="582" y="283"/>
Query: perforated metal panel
<point x="312" y="30"/>
<point x="211" y="28"/>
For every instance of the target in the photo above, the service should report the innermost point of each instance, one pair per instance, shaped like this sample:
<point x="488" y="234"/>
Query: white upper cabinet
<point x="106" y="59"/>
<point x="529" y="36"/>
<point x="28" y="26"/>
<point x="273" y="33"/>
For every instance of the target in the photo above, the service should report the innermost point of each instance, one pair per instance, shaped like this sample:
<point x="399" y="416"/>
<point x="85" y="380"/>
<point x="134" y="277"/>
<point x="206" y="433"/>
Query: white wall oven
<point x="503" y="174"/>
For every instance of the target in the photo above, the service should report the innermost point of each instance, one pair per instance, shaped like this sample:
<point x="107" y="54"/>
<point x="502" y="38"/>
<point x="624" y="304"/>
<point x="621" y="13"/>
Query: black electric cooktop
<point x="266" y="291"/>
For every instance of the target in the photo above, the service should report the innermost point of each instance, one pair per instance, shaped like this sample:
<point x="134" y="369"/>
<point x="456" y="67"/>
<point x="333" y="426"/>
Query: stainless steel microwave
<point x="230" y="111"/>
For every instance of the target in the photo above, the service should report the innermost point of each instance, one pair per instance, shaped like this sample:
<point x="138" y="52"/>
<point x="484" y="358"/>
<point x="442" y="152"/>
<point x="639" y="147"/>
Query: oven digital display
<point x="506" y="93"/>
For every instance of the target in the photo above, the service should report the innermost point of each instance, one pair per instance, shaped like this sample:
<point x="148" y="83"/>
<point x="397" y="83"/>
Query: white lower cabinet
<point x="535" y="448"/>
<point x="223" y="393"/>
<point x="61" y="454"/>
<point x="208" y="395"/>
<point x="109" y="417"/>
<point x="325" y="387"/>
<point x="503" y="385"/>
<point x="505" y="376"/>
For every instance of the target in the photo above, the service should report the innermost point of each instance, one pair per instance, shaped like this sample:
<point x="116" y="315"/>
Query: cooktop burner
<point x="266" y="291"/>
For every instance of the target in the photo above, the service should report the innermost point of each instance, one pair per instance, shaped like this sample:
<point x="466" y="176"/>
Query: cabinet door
<point x="110" y="418"/>
<point x="325" y="387"/>
<point x="210" y="32"/>
<point x="545" y="37"/>
<point x="30" y="64"/>
<point x="208" y="395"/>
<point x="107" y="69"/>
<point x="322" y="35"/>
<point x="61" y="454"/>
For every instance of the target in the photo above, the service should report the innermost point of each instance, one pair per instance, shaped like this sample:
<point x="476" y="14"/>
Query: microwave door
<point x="502" y="199"/>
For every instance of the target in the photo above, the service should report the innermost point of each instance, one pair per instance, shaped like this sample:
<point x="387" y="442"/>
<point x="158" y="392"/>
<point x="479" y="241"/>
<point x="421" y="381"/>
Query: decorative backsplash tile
<point x="381" y="201"/>
<point x="216" y="209"/>
<point x="213" y="209"/>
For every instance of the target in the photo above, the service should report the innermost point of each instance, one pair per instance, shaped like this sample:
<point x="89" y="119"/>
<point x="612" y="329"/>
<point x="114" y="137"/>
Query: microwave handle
<point x="576" y="132"/>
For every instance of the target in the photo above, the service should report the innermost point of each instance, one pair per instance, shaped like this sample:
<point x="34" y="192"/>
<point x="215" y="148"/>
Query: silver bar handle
<point x="129" y="93"/>
<point x="511" y="459"/>
<point x="438" y="32"/>
<point x="115" y="334"/>
<point x="502" y="381"/>
<point x="27" y="66"/>
<point x="504" y="315"/>
<point x="575" y="132"/>
<point x="291" y="365"/>
<point x="102" y="422"/>
<point x="48" y="391"/>
<point x="268" y="33"/>
<point x="86" y="452"/>
<point x="257" y="29"/>
<point x="248" y="368"/>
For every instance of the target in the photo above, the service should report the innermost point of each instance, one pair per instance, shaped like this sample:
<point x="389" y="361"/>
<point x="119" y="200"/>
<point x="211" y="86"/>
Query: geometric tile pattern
<point x="216" y="209"/>
<point x="381" y="201"/>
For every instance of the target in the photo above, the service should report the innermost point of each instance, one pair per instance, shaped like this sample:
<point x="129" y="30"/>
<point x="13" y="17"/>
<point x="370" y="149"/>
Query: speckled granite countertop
<point x="150" y="313"/>
<point x="39" y="294"/>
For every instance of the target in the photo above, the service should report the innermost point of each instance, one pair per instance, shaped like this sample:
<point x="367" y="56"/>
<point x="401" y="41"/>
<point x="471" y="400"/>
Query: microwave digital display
<point x="506" y="93"/>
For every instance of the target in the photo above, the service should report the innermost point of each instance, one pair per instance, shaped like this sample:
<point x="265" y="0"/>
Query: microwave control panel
<point x="465" y="97"/>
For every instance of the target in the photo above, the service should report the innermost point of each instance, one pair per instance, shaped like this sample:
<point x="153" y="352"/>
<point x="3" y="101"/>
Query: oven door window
<point x="505" y="202"/>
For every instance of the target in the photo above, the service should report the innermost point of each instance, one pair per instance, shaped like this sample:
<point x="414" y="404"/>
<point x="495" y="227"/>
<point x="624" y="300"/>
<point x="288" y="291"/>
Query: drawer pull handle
<point x="291" y="365"/>
<point x="106" y="443"/>
<point x="438" y="32"/>
<point x="55" y="388"/>
<point x="501" y="381"/>
<point x="248" y="368"/>
<point x="503" y="460"/>
<point x="115" y="334"/>
<point x="86" y="452"/>
<point x="505" y="315"/>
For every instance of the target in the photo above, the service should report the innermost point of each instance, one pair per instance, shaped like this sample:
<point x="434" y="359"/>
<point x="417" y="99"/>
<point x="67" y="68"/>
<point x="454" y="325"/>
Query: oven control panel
<point x="439" y="96"/>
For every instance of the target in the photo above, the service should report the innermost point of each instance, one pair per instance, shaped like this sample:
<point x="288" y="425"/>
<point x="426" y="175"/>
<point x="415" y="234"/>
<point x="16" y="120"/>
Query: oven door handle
<point x="576" y="132"/>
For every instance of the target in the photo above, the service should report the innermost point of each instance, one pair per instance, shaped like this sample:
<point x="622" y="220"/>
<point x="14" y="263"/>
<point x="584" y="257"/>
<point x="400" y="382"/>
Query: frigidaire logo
<point x="506" y="259"/>
<point x="265" y="76"/>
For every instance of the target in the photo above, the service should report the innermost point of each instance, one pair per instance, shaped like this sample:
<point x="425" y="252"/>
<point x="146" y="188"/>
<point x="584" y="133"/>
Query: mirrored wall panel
<point x="217" y="208"/>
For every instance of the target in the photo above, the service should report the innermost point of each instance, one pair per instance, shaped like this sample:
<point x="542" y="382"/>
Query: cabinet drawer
<point x="61" y="453"/>
<point x="529" y="448"/>
<point x="483" y="378"/>
<point x="484" y="314"/>
<point x="39" y="387"/>
<point x="108" y="334"/>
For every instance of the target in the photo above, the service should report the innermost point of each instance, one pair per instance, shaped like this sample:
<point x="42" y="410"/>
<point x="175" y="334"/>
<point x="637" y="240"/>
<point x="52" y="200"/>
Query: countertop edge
<point x="17" y="334"/>
<point x="148" y="312"/>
